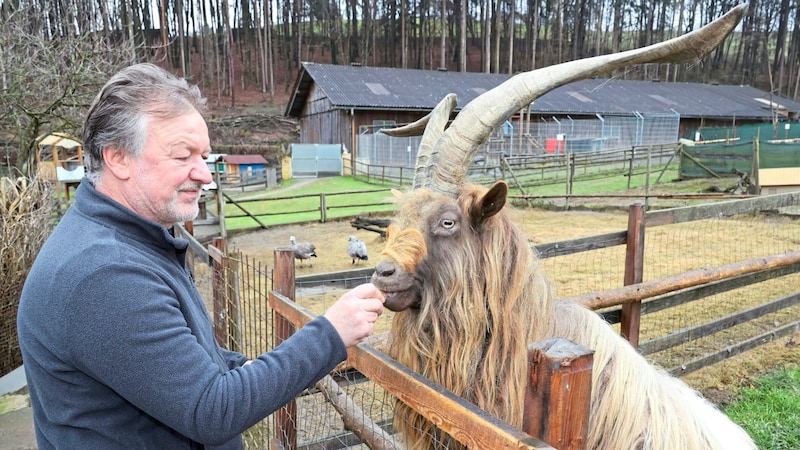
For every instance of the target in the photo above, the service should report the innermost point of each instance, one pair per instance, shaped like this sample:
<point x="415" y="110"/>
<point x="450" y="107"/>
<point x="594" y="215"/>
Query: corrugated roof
<point x="690" y="100"/>
<point x="362" y="87"/>
<point x="244" y="159"/>
<point x="408" y="89"/>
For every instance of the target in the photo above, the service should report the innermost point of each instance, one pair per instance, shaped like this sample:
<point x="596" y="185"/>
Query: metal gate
<point x="316" y="160"/>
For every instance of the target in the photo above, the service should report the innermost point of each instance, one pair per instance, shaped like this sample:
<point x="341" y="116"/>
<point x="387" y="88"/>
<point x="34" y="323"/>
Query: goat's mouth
<point x="399" y="301"/>
<point x="398" y="297"/>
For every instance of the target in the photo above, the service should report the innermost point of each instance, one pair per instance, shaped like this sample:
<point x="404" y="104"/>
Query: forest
<point x="67" y="47"/>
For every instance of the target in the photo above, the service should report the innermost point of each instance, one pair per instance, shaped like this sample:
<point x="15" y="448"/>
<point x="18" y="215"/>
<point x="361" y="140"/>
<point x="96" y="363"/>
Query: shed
<point x="214" y="160"/>
<point x="59" y="157"/>
<point x="244" y="168"/>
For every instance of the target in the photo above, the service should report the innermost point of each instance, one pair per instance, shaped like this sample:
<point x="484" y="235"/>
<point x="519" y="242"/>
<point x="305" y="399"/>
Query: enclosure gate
<point x="316" y="160"/>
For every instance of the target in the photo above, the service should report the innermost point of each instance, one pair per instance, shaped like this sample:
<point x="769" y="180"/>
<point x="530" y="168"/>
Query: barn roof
<point x="380" y="88"/>
<point x="244" y="159"/>
<point x="689" y="100"/>
<point x="383" y="88"/>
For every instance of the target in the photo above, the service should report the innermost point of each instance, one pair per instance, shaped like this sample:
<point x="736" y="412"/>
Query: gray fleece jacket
<point x="119" y="351"/>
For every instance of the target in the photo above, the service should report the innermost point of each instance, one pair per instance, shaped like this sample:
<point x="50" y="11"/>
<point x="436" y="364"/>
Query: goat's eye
<point x="448" y="223"/>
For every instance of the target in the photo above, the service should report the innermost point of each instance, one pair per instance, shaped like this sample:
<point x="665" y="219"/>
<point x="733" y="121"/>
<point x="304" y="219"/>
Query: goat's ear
<point x="491" y="203"/>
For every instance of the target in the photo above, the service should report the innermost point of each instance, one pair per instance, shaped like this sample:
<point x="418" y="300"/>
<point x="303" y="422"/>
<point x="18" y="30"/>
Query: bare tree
<point x="48" y="84"/>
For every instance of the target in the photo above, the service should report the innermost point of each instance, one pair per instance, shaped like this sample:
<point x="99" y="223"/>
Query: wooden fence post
<point x="634" y="268"/>
<point x="323" y="208"/>
<point x="558" y="394"/>
<point x="284" y="283"/>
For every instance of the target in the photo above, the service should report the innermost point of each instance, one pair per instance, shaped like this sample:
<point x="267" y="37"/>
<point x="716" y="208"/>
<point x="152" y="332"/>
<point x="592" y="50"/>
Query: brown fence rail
<point x="245" y="312"/>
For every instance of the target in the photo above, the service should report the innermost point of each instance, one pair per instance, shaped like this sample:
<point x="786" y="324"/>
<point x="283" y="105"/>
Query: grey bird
<point x="357" y="249"/>
<point x="303" y="250"/>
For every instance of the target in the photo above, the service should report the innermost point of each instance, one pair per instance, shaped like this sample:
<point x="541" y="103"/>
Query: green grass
<point x="606" y="184"/>
<point x="347" y="197"/>
<point x="771" y="411"/>
<point x="344" y="197"/>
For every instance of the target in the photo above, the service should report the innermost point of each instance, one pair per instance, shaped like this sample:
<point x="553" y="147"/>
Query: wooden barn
<point x="335" y="104"/>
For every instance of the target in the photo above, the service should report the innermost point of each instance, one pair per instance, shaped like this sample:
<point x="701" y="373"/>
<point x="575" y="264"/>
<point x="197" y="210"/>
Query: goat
<point x="469" y="295"/>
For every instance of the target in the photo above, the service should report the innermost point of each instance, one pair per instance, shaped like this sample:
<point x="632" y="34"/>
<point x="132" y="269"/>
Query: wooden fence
<point x="321" y="207"/>
<point x="629" y="303"/>
<point x="558" y="412"/>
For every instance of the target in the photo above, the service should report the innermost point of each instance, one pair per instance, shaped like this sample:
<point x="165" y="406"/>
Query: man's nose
<point x="200" y="171"/>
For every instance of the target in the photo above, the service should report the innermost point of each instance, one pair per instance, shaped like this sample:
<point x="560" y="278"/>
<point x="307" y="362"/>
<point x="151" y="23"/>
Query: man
<point x="118" y="348"/>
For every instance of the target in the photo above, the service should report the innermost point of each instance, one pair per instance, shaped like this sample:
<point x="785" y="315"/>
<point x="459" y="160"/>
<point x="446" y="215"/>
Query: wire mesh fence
<point x="527" y="138"/>
<point x="740" y="230"/>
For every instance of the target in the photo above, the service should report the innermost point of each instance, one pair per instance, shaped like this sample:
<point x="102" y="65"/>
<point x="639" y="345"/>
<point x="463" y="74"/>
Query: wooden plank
<point x="459" y="418"/>
<point x="559" y="393"/>
<point x="698" y="331"/>
<point x="688" y="295"/>
<point x="236" y="203"/>
<point x="354" y="418"/>
<point x="733" y="350"/>
<point x="699" y="164"/>
<point x="215" y="254"/>
<point x="197" y="248"/>
<point x="721" y="209"/>
<point x="717" y="287"/>
<point x="568" y="247"/>
<point x="649" y="289"/>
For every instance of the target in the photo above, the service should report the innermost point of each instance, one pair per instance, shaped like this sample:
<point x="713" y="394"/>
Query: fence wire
<point x="669" y="250"/>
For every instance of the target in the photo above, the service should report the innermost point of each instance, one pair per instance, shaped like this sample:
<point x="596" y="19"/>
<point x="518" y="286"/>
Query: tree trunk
<point x="462" y="39"/>
<point x="511" y="19"/>
<point x="443" y="37"/>
<point x="487" y="35"/>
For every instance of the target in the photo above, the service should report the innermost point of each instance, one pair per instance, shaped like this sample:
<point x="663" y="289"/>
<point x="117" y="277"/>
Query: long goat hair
<point x="480" y="307"/>
<point x="469" y="295"/>
<point x="480" y="298"/>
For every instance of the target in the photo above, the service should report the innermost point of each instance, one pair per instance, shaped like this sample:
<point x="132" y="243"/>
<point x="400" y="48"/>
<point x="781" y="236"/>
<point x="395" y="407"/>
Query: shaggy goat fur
<point x="482" y="300"/>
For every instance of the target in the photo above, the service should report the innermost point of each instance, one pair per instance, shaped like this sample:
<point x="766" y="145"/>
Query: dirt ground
<point x="331" y="238"/>
<point x="719" y="383"/>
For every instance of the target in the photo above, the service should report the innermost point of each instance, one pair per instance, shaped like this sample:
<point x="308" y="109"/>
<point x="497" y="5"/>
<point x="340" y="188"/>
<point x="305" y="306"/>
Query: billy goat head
<point x="462" y="277"/>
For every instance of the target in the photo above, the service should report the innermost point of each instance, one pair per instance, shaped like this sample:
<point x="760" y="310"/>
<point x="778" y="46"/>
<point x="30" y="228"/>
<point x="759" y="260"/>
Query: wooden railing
<point x="556" y="405"/>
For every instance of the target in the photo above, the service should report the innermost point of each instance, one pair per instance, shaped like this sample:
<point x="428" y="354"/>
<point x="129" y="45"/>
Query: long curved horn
<point x="433" y="125"/>
<point x="454" y="151"/>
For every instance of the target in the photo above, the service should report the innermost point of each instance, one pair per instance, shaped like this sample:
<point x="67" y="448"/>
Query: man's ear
<point x="118" y="162"/>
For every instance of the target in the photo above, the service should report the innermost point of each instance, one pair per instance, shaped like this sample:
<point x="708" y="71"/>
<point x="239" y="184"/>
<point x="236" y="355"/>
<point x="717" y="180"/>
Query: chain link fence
<point x="515" y="139"/>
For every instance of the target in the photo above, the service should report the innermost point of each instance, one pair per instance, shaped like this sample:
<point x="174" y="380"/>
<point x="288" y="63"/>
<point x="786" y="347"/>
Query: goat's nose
<point x="385" y="269"/>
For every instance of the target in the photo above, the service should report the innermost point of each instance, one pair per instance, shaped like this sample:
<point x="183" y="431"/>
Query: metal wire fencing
<point x="751" y="311"/>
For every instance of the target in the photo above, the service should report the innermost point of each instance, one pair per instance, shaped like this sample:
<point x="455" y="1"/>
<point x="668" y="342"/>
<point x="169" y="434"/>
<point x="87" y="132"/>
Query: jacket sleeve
<point x="126" y="328"/>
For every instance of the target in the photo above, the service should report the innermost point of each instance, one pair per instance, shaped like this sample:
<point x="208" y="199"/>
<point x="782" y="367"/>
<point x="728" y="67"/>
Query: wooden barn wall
<point x="320" y="123"/>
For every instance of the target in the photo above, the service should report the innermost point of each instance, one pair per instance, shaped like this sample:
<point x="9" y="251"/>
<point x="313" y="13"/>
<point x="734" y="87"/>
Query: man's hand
<point x="355" y="313"/>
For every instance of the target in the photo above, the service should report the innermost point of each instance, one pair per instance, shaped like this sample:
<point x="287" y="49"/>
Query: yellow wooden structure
<point x="59" y="157"/>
